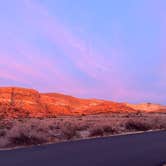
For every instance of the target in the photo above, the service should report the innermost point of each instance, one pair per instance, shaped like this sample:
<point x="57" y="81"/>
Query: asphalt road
<point x="148" y="149"/>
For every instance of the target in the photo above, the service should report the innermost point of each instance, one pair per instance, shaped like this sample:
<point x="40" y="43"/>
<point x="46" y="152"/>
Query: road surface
<point x="147" y="149"/>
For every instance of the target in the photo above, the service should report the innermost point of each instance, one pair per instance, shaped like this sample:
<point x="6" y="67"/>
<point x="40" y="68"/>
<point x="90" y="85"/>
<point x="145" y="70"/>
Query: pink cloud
<point x="107" y="73"/>
<point x="75" y="48"/>
<point x="36" y="67"/>
<point x="94" y="64"/>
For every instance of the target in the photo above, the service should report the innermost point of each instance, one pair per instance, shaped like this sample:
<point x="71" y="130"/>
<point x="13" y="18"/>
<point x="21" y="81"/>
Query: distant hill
<point x="148" y="107"/>
<point x="20" y="102"/>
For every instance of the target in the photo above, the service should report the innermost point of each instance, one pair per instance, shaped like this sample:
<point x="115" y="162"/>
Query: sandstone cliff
<point x="21" y="102"/>
<point x="148" y="107"/>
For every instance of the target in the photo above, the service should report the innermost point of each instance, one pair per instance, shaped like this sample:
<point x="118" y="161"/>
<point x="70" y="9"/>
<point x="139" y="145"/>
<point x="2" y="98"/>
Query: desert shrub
<point x="38" y="125"/>
<point x="3" y="142"/>
<point x="127" y="116"/>
<point x="137" y="126"/>
<point x="2" y="133"/>
<point x="6" y="124"/>
<point x="69" y="130"/>
<point x="27" y="134"/>
<point x="27" y="139"/>
<point x="20" y="120"/>
<point x="162" y="125"/>
<point x="96" y="131"/>
<point x="109" y="129"/>
<point x="27" y="131"/>
<point x="82" y="126"/>
<point x="158" y="122"/>
<point x="54" y="126"/>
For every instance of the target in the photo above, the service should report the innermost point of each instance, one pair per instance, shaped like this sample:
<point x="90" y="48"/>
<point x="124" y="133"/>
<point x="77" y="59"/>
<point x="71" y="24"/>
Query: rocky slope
<point x="21" y="102"/>
<point x="148" y="107"/>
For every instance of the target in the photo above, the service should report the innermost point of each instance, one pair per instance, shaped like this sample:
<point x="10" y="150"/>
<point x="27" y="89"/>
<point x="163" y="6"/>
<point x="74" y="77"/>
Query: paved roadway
<point x="148" y="149"/>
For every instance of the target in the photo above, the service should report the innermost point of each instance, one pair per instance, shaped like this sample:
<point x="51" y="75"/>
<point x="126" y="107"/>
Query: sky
<point x="109" y="49"/>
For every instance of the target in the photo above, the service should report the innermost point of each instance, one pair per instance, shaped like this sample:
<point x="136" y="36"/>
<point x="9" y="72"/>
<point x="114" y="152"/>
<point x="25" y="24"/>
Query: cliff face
<point x="20" y="102"/>
<point x="15" y="102"/>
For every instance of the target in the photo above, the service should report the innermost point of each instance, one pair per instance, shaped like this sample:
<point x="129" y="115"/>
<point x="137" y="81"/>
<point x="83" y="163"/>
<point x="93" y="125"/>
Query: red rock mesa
<point x="21" y="102"/>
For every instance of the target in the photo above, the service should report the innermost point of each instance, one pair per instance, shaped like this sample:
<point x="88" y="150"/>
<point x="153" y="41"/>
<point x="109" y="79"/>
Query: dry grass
<point x="31" y="131"/>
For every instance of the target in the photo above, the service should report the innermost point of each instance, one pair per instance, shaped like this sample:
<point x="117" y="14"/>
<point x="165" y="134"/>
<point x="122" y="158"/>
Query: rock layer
<point x="21" y="102"/>
<point x="148" y="107"/>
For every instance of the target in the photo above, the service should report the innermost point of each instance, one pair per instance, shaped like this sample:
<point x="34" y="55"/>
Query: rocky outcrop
<point x="20" y="102"/>
<point x="148" y="107"/>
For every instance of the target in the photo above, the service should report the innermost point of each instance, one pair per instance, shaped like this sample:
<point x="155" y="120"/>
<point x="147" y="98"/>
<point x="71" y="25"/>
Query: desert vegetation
<point x="34" y="131"/>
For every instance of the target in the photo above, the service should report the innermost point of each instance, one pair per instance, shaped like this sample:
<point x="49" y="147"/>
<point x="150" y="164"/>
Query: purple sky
<point x="87" y="48"/>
